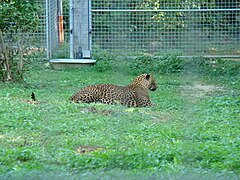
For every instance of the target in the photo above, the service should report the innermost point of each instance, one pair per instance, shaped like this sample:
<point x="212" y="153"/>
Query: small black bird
<point x="33" y="96"/>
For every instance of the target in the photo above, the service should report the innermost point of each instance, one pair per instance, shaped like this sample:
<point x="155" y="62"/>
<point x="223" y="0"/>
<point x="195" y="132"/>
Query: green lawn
<point x="192" y="132"/>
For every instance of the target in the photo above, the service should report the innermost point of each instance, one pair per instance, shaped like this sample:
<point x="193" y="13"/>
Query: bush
<point x="104" y="60"/>
<point x="170" y="63"/>
<point x="19" y="21"/>
<point x="212" y="66"/>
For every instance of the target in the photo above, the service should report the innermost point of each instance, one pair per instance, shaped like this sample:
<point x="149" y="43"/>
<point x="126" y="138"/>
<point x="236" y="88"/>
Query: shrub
<point x="104" y="60"/>
<point x="19" y="21"/>
<point x="216" y="67"/>
<point x="170" y="63"/>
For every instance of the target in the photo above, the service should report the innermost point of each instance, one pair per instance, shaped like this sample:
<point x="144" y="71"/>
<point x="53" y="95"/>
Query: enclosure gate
<point x="192" y="28"/>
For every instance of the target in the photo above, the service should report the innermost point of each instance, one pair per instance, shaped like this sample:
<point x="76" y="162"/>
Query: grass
<point x="192" y="132"/>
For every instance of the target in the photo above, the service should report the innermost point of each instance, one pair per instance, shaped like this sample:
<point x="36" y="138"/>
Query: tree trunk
<point x="5" y="64"/>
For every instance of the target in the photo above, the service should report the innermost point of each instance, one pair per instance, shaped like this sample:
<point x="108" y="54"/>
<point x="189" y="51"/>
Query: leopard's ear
<point x="147" y="76"/>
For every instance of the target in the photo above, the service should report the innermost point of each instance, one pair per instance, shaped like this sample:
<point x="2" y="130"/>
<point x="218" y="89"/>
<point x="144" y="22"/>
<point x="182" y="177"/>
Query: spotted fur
<point x="135" y="94"/>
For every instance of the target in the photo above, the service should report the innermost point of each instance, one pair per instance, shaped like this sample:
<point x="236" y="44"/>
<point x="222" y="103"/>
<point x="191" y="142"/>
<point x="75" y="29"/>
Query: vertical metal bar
<point x="50" y="28"/>
<point x="71" y="14"/>
<point x="47" y="29"/>
<point x="89" y="25"/>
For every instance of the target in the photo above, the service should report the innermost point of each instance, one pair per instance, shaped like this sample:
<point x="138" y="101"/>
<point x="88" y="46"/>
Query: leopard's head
<point x="146" y="81"/>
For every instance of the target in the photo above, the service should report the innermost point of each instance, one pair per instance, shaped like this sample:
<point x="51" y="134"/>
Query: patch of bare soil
<point x="31" y="102"/>
<point x="87" y="149"/>
<point x="161" y="118"/>
<point x="156" y="117"/>
<point x="199" y="90"/>
<point x="97" y="111"/>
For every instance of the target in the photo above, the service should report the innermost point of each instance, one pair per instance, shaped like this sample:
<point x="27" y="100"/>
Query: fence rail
<point x="163" y="10"/>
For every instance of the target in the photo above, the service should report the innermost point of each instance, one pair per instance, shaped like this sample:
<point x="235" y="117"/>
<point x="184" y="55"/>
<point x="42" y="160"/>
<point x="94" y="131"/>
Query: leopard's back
<point x="103" y="93"/>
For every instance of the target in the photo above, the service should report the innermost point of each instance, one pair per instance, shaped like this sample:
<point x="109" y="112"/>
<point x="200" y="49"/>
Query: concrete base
<point x="71" y="63"/>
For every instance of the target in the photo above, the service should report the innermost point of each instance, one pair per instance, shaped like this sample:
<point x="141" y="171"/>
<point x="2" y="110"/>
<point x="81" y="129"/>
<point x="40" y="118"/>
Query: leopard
<point x="136" y="94"/>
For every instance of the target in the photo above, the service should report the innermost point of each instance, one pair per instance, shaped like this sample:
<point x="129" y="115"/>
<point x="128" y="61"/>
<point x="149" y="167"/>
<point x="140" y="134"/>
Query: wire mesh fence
<point x="41" y="34"/>
<point x="193" y="28"/>
<point x="52" y="27"/>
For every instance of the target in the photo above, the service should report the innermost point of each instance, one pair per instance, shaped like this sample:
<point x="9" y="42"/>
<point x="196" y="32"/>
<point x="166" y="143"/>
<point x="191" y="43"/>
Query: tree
<point x="19" y="21"/>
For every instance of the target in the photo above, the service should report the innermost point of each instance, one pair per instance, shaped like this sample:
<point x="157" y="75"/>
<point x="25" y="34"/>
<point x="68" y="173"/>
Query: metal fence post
<point x="47" y="30"/>
<point x="80" y="29"/>
<point x="71" y="29"/>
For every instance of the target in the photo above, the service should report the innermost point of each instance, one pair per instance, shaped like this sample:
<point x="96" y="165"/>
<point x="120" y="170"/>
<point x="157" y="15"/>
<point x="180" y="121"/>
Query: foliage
<point x="19" y="19"/>
<point x="104" y="60"/>
<point x="216" y="67"/>
<point x="19" y="15"/>
<point x="222" y="67"/>
<point x="169" y="63"/>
